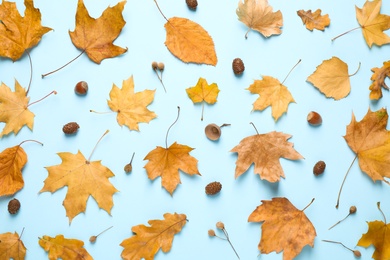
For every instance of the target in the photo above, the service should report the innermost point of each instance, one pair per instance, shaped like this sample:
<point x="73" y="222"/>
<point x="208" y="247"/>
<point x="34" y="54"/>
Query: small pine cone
<point x="213" y="188"/>
<point x="319" y="168"/>
<point x="238" y="66"/>
<point x="13" y="206"/>
<point x="192" y="4"/>
<point x="70" y="128"/>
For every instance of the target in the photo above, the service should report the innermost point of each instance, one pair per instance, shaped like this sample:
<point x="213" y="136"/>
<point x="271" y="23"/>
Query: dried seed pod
<point x="352" y="210"/>
<point x="92" y="239"/>
<point x="314" y="118"/>
<point x="357" y="253"/>
<point x="70" y="128"/>
<point x="129" y="167"/>
<point x="319" y="168"/>
<point x="154" y="65"/>
<point x="238" y="66"/>
<point x="220" y="225"/>
<point x="213" y="188"/>
<point x="192" y="4"/>
<point x="13" y="206"/>
<point x="213" y="132"/>
<point x="160" y="66"/>
<point x="211" y="233"/>
<point x="81" y="88"/>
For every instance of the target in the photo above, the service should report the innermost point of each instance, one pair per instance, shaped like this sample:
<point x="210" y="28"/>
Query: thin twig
<point x="342" y="184"/>
<point x="51" y="72"/>
<point x="31" y="72"/>
<point x="177" y="118"/>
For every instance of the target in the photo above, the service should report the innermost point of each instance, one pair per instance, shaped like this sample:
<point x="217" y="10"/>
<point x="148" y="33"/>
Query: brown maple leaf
<point x="284" y="228"/>
<point x="95" y="36"/>
<point x="147" y="241"/>
<point x="258" y="15"/>
<point x="64" y="248"/>
<point x="378" y="79"/>
<point x="11" y="247"/>
<point x="131" y="107"/>
<point x="314" y="20"/>
<point x="17" y="33"/>
<point x="264" y="150"/>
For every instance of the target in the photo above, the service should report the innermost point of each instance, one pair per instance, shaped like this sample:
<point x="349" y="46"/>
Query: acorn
<point x="192" y="4"/>
<point x="70" y="128"/>
<point x="213" y="188"/>
<point x="314" y="119"/>
<point x="13" y="206"/>
<point x="319" y="168"/>
<point x="213" y="131"/>
<point x="81" y="88"/>
<point x="238" y="66"/>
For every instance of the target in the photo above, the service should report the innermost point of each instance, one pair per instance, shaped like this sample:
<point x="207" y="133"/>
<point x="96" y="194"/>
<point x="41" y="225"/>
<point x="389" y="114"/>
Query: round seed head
<point x="161" y="66"/>
<point x="220" y="225"/>
<point x="213" y="132"/>
<point x="352" y="210"/>
<point x="154" y="65"/>
<point x="357" y="253"/>
<point x="211" y="233"/>
<point x="92" y="239"/>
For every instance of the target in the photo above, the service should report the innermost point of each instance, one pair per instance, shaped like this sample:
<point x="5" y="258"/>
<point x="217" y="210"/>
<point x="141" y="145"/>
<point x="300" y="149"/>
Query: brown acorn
<point x="213" y="188"/>
<point x="319" y="168"/>
<point x="314" y="119"/>
<point x="192" y="4"/>
<point x="13" y="206"/>
<point x="81" y="88"/>
<point x="70" y="128"/>
<point x="238" y="66"/>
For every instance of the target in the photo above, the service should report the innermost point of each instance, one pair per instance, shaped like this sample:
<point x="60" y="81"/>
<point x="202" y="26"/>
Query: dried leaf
<point x="264" y="150"/>
<point x="131" y="107"/>
<point x="17" y="33"/>
<point x="258" y="15"/>
<point x="378" y="79"/>
<point x="166" y="163"/>
<point x="285" y="228"/>
<point x="147" y="241"/>
<point x="11" y="247"/>
<point x="378" y="235"/>
<point x="314" y="20"/>
<point x="96" y="36"/>
<point x="189" y="41"/>
<point x="64" y="248"/>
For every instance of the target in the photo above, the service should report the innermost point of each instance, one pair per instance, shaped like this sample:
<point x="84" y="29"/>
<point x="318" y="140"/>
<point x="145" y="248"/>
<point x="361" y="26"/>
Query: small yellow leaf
<point x="314" y="20"/>
<point x="12" y="161"/>
<point x="64" y="248"/>
<point x="378" y="79"/>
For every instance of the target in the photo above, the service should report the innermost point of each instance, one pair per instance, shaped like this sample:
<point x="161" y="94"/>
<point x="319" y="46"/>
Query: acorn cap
<point x="213" y="132"/>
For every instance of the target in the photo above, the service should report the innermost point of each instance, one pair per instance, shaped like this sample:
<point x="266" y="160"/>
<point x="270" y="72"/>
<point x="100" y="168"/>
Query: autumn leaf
<point x="258" y="15"/>
<point x="284" y="228"/>
<point x="331" y="78"/>
<point x="378" y="79"/>
<point x="64" y="248"/>
<point x="11" y="247"/>
<point x="314" y="20"/>
<point x="148" y="240"/>
<point x="17" y="33"/>
<point x="203" y="92"/>
<point x="264" y="150"/>
<point x="131" y="107"/>
<point x="95" y="36"/>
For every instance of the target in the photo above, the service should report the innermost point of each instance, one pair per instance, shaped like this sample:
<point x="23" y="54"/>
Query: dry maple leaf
<point x="203" y="92"/>
<point x="147" y="241"/>
<point x="258" y="15"/>
<point x="264" y="150"/>
<point x="331" y="78"/>
<point x="95" y="36"/>
<point x="11" y="247"/>
<point x="285" y="228"/>
<point x="378" y="79"/>
<point x="131" y="107"/>
<point x="378" y="235"/>
<point x="64" y="248"/>
<point x="17" y="33"/>
<point x="314" y="20"/>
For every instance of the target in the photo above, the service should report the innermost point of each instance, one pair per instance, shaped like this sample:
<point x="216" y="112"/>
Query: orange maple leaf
<point x="95" y="36"/>
<point x="314" y="20"/>
<point x="17" y="33"/>
<point x="258" y="15"/>
<point x="378" y="79"/>
<point x="131" y="107"/>
<point x="284" y="228"/>
<point x="11" y="247"/>
<point x="264" y="150"/>
<point x="147" y="241"/>
<point x="64" y="248"/>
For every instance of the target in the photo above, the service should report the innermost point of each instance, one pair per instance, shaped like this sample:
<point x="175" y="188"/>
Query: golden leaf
<point x="378" y="79"/>
<point x="64" y="248"/>
<point x="314" y="20"/>
<point x="11" y="247"/>
<point x="378" y="235"/>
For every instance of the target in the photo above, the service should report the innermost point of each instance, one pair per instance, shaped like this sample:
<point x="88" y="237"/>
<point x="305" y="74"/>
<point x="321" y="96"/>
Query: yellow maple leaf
<point x="17" y="33"/>
<point x="378" y="79"/>
<point x="14" y="109"/>
<point x="95" y="36"/>
<point x="11" y="247"/>
<point x="314" y="20"/>
<point x="258" y="15"/>
<point x="147" y="241"/>
<point x="203" y="92"/>
<point x="64" y="248"/>
<point x="131" y="107"/>
<point x="284" y="228"/>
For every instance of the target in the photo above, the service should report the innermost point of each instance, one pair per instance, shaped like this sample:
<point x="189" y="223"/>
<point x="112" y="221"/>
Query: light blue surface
<point x="140" y="199"/>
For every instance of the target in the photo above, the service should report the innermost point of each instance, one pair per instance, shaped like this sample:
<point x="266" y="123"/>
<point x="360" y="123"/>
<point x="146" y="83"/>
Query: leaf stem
<point x="21" y="234"/>
<point x="53" y="92"/>
<point x="247" y="32"/>
<point x="132" y="157"/>
<point x="31" y="140"/>
<point x="51" y="72"/>
<point x="103" y="231"/>
<point x="201" y="118"/>
<point x="89" y="158"/>
<point x="353" y="74"/>
<point x="312" y="200"/>
<point x="31" y="72"/>
<point x="379" y="207"/>
<point x="336" y="242"/>
<point x="166" y="136"/>
<point x="345" y="33"/>
<point x="338" y="222"/>
<point x="342" y="184"/>
<point x="254" y="127"/>
<point x="108" y="112"/>
<point x="160" y="79"/>
<point x="160" y="10"/>
<point x="291" y="70"/>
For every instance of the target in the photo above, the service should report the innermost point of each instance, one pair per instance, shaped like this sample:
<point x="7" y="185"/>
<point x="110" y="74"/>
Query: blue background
<point x="141" y="199"/>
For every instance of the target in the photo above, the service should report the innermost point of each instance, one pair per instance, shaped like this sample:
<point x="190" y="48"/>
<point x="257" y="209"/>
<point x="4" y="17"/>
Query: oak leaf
<point x="373" y="23"/>
<point x="131" y="107"/>
<point x="264" y="150"/>
<point x="203" y="92"/>
<point x="378" y="235"/>
<point x="64" y="248"/>
<point x="17" y="33"/>
<point x="83" y="178"/>
<point x="95" y="36"/>
<point x="189" y="41"/>
<point x="378" y="79"/>
<point x="258" y="15"/>
<point x="272" y="93"/>
<point x="284" y="228"/>
<point x="370" y="140"/>
<point x="14" y="109"/>
<point x="147" y="241"/>
<point x="314" y="20"/>
<point x="11" y="247"/>
<point x="166" y="163"/>
<point x="331" y="78"/>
